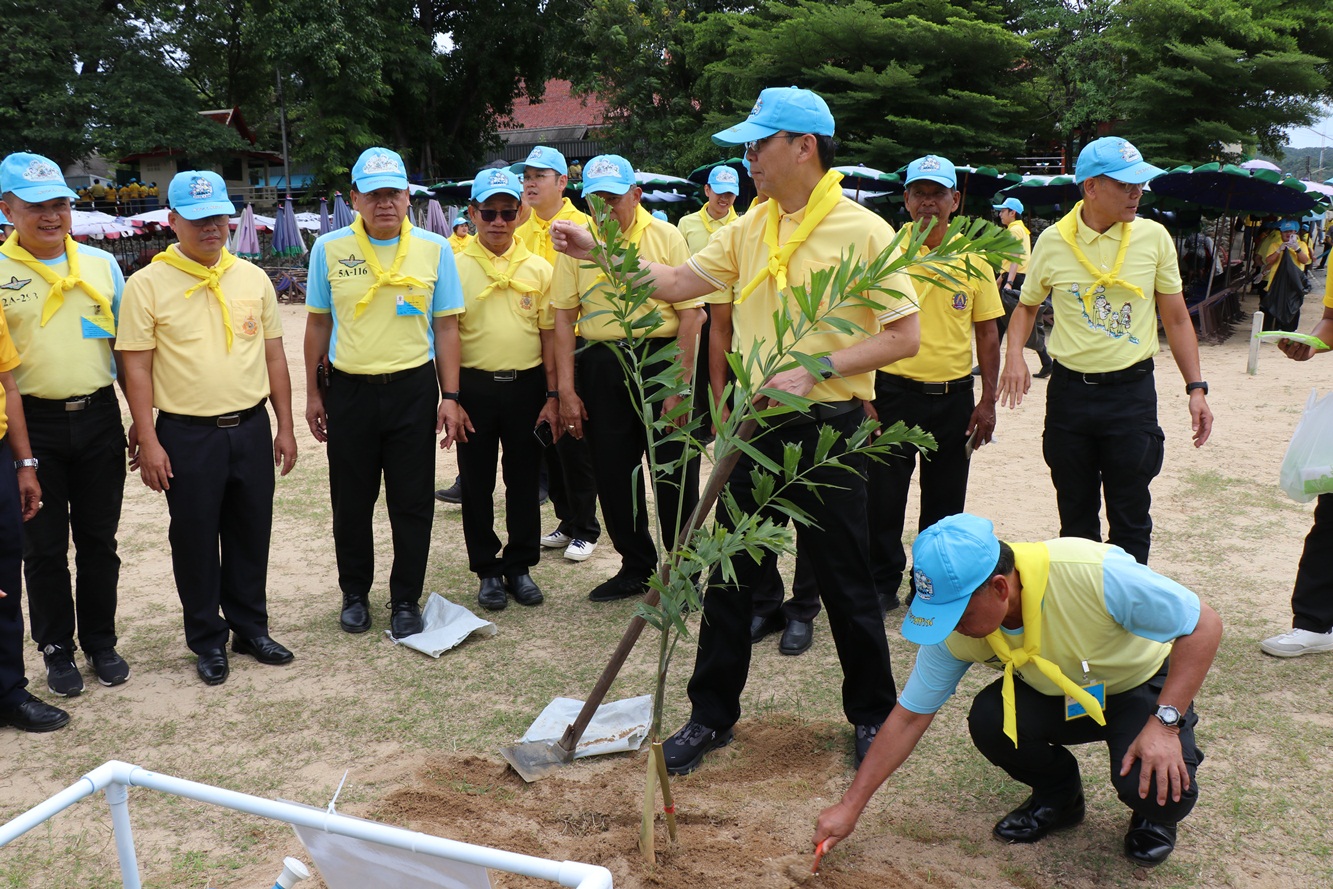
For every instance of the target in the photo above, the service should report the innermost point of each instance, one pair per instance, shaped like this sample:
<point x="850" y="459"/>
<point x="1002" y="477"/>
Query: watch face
<point x="1168" y="715"/>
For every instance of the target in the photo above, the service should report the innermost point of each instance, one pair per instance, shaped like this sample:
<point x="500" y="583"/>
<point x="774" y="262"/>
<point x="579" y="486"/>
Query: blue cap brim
<point x="499" y="189"/>
<point x="36" y="194"/>
<point x="926" y="624"/>
<point x="206" y="211"/>
<point x="743" y="132"/>
<point x="372" y="183"/>
<point x="518" y="168"/>
<point x="938" y="180"/>
<point x="726" y="188"/>
<point x="610" y="186"/>
<point x="1137" y="174"/>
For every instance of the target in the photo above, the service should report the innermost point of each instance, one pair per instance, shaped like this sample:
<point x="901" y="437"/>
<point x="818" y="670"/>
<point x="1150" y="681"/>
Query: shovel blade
<point x="534" y="760"/>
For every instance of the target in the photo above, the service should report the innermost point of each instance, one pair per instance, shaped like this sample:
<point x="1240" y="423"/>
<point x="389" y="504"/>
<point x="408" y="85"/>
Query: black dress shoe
<point x="262" y="649"/>
<point x="406" y="619"/>
<point x="1043" y="373"/>
<point x="355" y="617"/>
<point x="1149" y="843"/>
<point x="797" y="637"/>
<point x="213" y="667"/>
<point x="621" y="586"/>
<point x="1033" y="820"/>
<point x="762" y="627"/>
<point x="451" y="494"/>
<point x="34" y="715"/>
<point x="684" y="751"/>
<point x="524" y="589"/>
<point x="493" y="596"/>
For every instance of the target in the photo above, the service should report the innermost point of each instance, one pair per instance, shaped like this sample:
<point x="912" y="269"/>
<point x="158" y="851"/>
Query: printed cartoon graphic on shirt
<point x="1104" y="317"/>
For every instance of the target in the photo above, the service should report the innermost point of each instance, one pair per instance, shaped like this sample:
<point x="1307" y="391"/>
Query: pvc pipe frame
<point x="115" y="777"/>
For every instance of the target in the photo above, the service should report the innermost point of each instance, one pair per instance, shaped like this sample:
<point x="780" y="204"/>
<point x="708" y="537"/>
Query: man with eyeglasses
<point x="570" y="479"/>
<point x="202" y="343"/>
<point x="383" y="300"/>
<point x="1109" y="275"/>
<point x="61" y="300"/>
<point x="806" y="225"/>
<point x="503" y="387"/>
<point x="601" y="404"/>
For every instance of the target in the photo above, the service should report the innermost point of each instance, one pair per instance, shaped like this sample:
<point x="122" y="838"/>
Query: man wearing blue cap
<point x="1104" y="650"/>
<point x="1011" y="279"/>
<point x="1284" y="258"/>
<point x="61" y="300"/>
<point x="1109" y="275"/>
<point x="383" y="300"/>
<point x="202" y="343"/>
<point x="807" y="224"/>
<point x="504" y="387"/>
<point x="459" y="238"/>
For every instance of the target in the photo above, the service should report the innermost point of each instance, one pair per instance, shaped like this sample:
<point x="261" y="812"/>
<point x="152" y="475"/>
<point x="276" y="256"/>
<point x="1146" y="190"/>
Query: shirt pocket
<point x="246" y="317"/>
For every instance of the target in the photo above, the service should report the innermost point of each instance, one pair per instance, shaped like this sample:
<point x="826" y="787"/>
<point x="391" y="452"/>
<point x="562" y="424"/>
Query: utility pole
<point x="282" y="118"/>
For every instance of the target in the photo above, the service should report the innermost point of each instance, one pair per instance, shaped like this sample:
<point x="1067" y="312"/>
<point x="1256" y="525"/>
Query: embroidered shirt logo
<point x="960" y="300"/>
<point x="351" y="262"/>
<point x="15" y="284"/>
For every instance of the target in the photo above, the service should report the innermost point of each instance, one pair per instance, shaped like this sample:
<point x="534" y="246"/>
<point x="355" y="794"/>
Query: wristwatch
<point x="1201" y="384"/>
<point x="30" y="463"/>
<point x="1169" y="716"/>
<point x="826" y="372"/>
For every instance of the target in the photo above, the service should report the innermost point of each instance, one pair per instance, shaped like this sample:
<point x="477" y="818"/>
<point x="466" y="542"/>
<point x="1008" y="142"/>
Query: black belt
<point x="221" y="421"/>
<point x="1108" y="378"/>
<point x="380" y="379"/>
<point x="820" y="412"/>
<point x="66" y="405"/>
<point x="962" y="384"/>
<point x="502" y="376"/>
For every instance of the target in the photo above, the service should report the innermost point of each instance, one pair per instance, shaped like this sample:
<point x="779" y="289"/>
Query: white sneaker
<point x="578" y="550"/>
<point x="1297" y="643"/>
<point x="556" y="539"/>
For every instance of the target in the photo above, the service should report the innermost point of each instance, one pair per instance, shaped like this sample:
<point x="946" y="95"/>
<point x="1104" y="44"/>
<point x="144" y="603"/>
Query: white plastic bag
<point x="1307" y="469"/>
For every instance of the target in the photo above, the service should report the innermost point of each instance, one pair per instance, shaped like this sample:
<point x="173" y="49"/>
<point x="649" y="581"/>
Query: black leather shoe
<point x="684" y="751"/>
<point x="763" y="627"/>
<point x="797" y="637"/>
<point x="213" y="667"/>
<point x="619" y="587"/>
<point x="1033" y="820"/>
<point x="1043" y="373"/>
<point x="34" y="715"/>
<point x="889" y="603"/>
<point x="1149" y="843"/>
<point x="493" y="596"/>
<point x="451" y="494"/>
<point x="524" y="589"/>
<point x="355" y="617"/>
<point x="406" y="619"/>
<point x="262" y="649"/>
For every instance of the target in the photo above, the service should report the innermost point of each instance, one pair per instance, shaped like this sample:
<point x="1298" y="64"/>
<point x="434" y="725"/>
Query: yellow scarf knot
<point x="499" y="280"/>
<point x="59" y="286"/>
<point x="1068" y="229"/>
<point x="710" y="224"/>
<point x="210" y="277"/>
<point x="825" y="196"/>
<point x="391" y="278"/>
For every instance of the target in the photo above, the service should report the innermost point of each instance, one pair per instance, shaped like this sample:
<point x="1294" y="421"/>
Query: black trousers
<point x="81" y="470"/>
<point x="13" y="681"/>
<point x="1041" y="761"/>
<point x="221" y="504"/>
<point x="572" y="483"/>
<point x="503" y="414"/>
<point x="1104" y="439"/>
<point x="619" y="444"/>
<point x="1312" y="597"/>
<point x="836" y="548"/>
<point x="768" y="590"/>
<point x="383" y="430"/>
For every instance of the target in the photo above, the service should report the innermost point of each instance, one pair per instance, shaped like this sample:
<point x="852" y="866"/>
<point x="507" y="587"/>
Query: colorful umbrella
<point x="97" y="225"/>
<point x="1260" y="165"/>
<point x="435" y="219"/>
<point x="1233" y="190"/>
<point x="245" y="242"/>
<point x="325" y="222"/>
<point x="286" y="236"/>
<point x="342" y="214"/>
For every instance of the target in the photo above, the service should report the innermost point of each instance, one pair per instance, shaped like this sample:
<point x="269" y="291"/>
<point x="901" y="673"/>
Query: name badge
<point x="98" y="326"/>
<point x="1094" y="687"/>
<point x="411" y="305"/>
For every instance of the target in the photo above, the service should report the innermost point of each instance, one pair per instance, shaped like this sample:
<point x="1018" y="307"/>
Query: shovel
<point x="535" y="759"/>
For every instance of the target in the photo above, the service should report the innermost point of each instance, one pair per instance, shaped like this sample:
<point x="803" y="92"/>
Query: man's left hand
<point x="284" y="450"/>
<point x="797" y="381"/>
<point x="669" y="405"/>
<point x="132" y="440"/>
<point x="1201" y="417"/>
<point x="30" y="493"/>
<point x="453" y="421"/>
<point x="982" y="422"/>
<point x="1158" y="750"/>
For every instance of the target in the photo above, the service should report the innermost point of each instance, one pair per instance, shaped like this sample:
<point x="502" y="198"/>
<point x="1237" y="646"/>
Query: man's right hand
<point x="154" y="465"/>
<point x="572" y="413"/>
<point x="1015" y="382"/>
<point x="315" y="416"/>
<point x="571" y="239"/>
<point x="1296" y="351"/>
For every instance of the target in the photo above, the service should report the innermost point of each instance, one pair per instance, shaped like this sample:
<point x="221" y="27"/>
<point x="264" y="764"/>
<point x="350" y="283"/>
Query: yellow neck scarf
<point x="823" y="199"/>
<point x="542" y="227"/>
<point x="710" y="224"/>
<point x="1033" y="561"/>
<point x="1068" y="229"/>
<point x="500" y="281"/>
<point x="1019" y="223"/>
<point x="208" y="277"/>
<point x="56" y="297"/>
<point x="383" y="278"/>
<point x="642" y="219"/>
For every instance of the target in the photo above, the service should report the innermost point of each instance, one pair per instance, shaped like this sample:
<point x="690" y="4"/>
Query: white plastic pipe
<point x="118" y="799"/>
<point x="567" y="873"/>
<point x="293" y="872"/>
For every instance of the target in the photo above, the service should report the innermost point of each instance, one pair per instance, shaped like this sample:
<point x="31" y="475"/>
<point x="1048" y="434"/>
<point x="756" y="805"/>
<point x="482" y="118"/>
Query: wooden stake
<point x="668" y="803"/>
<point x="1256" y="325"/>
<point x="646" y="847"/>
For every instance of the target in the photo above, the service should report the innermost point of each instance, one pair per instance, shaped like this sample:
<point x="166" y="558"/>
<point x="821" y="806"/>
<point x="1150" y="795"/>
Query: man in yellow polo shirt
<point x="602" y="405"/>
<point x="382" y="299"/>
<point x="61" y="299"/>
<point x="1109" y="275"/>
<point x="1012" y="276"/>
<point x="505" y="390"/>
<point x="1284" y="259"/>
<point x="20" y="500"/>
<point x="460" y="237"/>
<point x="1093" y="647"/>
<point x="202" y="343"/>
<point x="788" y="140"/>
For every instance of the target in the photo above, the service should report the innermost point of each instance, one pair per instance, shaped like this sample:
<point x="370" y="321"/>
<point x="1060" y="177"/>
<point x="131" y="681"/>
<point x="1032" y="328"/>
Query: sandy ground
<point x="417" y="738"/>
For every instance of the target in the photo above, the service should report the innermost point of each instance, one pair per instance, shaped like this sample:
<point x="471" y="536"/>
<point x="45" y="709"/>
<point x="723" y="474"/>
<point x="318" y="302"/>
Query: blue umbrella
<point x="1233" y="189"/>
<point x="325" y="223"/>
<point x="287" y="239"/>
<point x="342" y="214"/>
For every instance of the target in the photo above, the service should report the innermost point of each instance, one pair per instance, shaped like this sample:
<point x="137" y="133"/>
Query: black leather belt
<point x="962" y="384"/>
<point x="820" y="412"/>
<point x="502" y="376"/>
<point x="221" y="421"/>
<point x="65" y="405"/>
<point x="380" y="379"/>
<point x="1110" y="378"/>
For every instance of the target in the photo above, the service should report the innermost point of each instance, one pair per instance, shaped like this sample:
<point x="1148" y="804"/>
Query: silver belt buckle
<point x="76" y="404"/>
<point x="229" y="421"/>
<point x="505" y="376"/>
<point x="1088" y="382"/>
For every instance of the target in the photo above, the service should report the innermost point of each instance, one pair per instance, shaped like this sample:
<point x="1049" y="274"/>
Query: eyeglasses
<point x="753" y="147"/>
<point x="506" y="215"/>
<point x="221" y="221"/>
<point x="1126" y="187"/>
<point x="530" y="174"/>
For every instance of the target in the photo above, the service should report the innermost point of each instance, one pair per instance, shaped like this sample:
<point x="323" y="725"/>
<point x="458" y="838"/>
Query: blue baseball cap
<point x="379" y="168"/>
<point x="724" y="180"/>
<point x="33" y="178"/>
<point x="932" y="168"/>
<point x="199" y="194"/>
<point x="950" y="561"/>
<point x="1116" y="158"/>
<point x="543" y="157"/>
<point x="493" y="181"/>
<point x="1011" y="204"/>
<point x="660" y="214"/>
<point x="777" y="109"/>
<point x="1288" y="225"/>
<point x="610" y="173"/>
<point x="459" y="220"/>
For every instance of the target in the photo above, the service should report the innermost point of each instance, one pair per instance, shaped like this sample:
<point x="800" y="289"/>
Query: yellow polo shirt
<point x="9" y="359"/>
<point x="502" y="329"/>
<point x="1121" y="329"/>
<point x="535" y="232"/>
<point x="1328" y="292"/>
<point x="193" y="373"/>
<point x="1019" y="230"/>
<point x="698" y="227"/>
<point x="1279" y="246"/>
<point x="575" y="286"/>
<point x="949" y="309"/>
<point x="737" y="253"/>
<point x="459" y="242"/>
<point x="392" y="333"/>
<point x="71" y="355"/>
